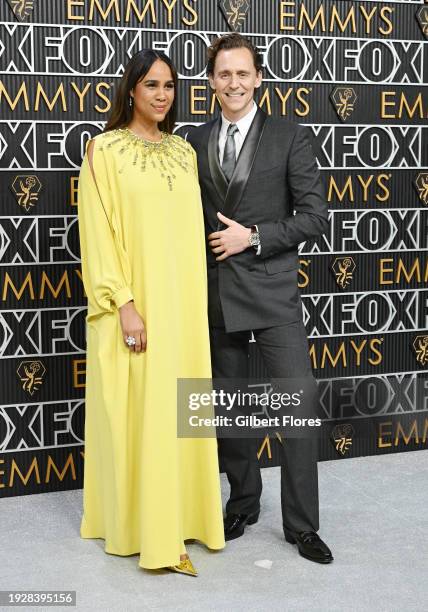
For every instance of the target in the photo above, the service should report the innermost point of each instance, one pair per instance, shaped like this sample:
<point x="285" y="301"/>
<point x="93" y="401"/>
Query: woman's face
<point x="154" y="93"/>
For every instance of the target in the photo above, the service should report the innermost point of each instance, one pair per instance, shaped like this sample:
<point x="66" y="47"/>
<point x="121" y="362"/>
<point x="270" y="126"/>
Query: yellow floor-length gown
<point x="142" y="238"/>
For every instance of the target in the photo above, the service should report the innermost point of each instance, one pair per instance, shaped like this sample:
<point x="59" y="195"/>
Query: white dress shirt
<point x="243" y="126"/>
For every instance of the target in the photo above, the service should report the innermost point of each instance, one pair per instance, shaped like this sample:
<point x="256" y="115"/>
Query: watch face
<point x="255" y="239"/>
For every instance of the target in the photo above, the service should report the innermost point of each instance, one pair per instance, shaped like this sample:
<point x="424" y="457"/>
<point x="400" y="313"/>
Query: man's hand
<point x="230" y="241"/>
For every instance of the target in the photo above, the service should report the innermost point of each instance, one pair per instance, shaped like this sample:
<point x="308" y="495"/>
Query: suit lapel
<point x="217" y="175"/>
<point x="244" y="164"/>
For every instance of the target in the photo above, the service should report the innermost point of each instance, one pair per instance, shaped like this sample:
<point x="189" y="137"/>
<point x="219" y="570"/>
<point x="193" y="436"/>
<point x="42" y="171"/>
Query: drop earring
<point x="130" y="101"/>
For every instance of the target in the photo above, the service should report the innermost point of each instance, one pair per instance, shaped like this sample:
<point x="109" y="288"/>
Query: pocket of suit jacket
<point x="282" y="263"/>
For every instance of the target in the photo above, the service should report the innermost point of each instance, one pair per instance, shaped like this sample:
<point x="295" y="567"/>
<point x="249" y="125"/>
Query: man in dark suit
<point x="255" y="172"/>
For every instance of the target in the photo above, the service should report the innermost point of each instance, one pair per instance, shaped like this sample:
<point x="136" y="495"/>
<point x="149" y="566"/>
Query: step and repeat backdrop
<point x="355" y="73"/>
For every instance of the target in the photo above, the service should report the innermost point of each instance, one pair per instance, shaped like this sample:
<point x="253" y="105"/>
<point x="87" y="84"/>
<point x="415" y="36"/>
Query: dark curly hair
<point x="234" y="40"/>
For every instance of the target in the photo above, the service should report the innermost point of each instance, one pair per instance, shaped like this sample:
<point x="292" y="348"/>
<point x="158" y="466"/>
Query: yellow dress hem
<point x="154" y="565"/>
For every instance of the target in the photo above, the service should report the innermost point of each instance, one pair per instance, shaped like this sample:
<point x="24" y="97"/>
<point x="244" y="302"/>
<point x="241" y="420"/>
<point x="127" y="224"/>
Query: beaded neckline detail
<point x="165" y="155"/>
<point x="164" y="136"/>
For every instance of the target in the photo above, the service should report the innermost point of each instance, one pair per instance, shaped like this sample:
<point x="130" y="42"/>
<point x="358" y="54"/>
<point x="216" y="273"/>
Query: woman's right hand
<point x="133" y="325"/>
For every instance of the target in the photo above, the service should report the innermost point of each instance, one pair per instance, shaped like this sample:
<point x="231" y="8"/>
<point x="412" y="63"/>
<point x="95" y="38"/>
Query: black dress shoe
<point x="310" y="545"/>
<point x="234" y="524"/>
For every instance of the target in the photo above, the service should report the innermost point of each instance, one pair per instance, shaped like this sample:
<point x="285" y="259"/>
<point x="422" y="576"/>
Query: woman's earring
<point x="130" y="101"/>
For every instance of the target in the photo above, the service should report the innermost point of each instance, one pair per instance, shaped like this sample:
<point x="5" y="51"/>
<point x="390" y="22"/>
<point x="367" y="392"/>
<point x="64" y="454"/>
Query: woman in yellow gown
<point x="143" y="262"/>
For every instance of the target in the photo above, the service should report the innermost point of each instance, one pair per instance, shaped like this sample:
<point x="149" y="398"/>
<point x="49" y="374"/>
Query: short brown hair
<point x="233" y="40"/>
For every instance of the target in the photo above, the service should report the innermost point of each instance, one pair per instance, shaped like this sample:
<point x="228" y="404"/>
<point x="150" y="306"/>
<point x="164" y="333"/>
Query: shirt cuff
<point x="123" y="296"/>
<point x="259" y="248"/>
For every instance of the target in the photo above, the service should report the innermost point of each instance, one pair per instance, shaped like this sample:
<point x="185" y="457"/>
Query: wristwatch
<point x="254" y="239"/>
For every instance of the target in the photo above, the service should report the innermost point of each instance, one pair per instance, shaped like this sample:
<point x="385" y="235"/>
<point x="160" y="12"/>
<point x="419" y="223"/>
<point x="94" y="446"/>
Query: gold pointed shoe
<point x="184" y="567"/>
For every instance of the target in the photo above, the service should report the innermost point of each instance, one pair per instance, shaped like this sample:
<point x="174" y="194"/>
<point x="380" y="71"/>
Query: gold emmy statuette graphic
<point x="343" y="99"/>
<point x="420" y="346"/>
<point x="235" y="12"/>
<point x="422" y="19"/>
<point x="31" y="374"/>
<point x="341" y="437"/>
<point x="26" y="188"/>
<point x="343" y="268"/>
<point x="265" y="445"/>
<point x="421" y="183"/>
<point x="22" y="8"/>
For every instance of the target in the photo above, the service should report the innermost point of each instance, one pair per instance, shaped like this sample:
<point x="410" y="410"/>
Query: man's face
<point x="234" y="80"/>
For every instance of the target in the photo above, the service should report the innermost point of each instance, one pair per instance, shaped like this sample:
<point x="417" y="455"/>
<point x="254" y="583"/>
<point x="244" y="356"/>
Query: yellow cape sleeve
<point x="104" y="278"/>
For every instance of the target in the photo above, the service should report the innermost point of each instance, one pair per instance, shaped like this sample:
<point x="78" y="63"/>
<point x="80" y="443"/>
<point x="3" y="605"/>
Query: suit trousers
<point x="285" y="354"/>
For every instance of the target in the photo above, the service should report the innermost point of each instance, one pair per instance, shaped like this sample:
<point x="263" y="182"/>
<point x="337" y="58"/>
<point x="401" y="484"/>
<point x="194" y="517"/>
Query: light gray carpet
<point x="374" y="517"/>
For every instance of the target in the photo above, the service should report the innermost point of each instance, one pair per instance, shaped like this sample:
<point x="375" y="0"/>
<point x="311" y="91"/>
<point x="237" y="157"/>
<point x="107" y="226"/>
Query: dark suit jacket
<point x="276" y="175"/>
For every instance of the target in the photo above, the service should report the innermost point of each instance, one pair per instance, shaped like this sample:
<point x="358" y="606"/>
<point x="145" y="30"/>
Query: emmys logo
<point x="422" y="18"/>
<point x="421" y="183"/>
<point x="235" y="12"/>
<point x="31" y="374"/>
<point x="341" y="437"/>
<point x="343" y="99"/>
<point x="420" y="346"/>
<point x="22" y="8"/>
<point x="343" y="268"/>
<point x="26" y="189"/>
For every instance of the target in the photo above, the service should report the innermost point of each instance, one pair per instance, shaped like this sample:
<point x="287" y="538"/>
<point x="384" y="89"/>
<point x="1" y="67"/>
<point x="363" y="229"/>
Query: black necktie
<point x="229" y="156"/>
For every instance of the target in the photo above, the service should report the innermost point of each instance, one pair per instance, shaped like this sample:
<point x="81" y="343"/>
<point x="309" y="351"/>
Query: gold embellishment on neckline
<point x="164" y="155"/>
